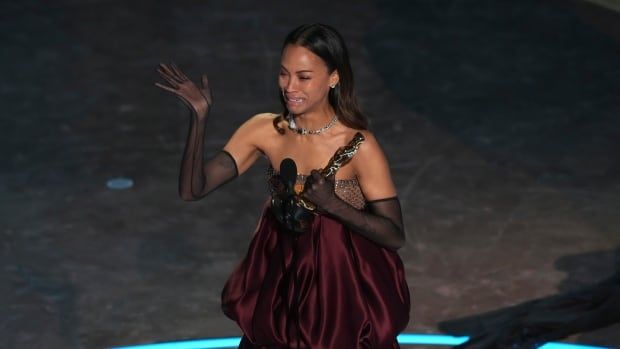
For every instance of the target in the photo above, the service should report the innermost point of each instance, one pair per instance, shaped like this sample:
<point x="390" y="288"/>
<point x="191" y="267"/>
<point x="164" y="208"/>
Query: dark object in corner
<point x="533" y="323"/>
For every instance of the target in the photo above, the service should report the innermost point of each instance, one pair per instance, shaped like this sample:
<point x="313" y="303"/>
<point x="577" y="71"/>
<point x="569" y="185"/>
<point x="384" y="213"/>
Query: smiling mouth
<point x="294" y="100"/>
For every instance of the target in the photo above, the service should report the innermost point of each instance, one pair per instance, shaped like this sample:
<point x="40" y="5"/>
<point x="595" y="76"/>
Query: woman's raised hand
<point x="199" y="100"/>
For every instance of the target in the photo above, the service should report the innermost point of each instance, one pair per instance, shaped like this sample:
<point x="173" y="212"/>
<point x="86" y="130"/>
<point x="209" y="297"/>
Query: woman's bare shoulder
<point x="265" y="116"/>
<point x="369" y="152"/>
<point x="372" y="169"/>
<point x="261" y="118"/>
<point x="250" y="139"/>
<point x="370" y="142"/>
<point x="261" y="122"/>
<point x="258" y="125"/>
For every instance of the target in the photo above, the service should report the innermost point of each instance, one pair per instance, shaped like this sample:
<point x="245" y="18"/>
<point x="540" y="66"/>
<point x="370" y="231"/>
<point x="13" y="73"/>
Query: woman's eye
<point x="304" y="78"/>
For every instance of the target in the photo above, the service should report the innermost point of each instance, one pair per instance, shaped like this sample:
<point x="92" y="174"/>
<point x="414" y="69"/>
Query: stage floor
<point x="500" y="124"/>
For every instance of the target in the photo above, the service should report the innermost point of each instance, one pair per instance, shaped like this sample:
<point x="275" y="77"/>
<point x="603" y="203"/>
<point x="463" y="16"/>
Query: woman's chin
<point x="295" y="109"/>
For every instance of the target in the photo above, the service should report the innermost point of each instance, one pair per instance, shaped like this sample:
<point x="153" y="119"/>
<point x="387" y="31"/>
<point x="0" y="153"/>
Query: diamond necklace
<point x="303" y="131"/>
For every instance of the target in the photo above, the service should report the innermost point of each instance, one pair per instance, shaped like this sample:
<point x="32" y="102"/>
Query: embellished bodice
<point x="346" y="189"/>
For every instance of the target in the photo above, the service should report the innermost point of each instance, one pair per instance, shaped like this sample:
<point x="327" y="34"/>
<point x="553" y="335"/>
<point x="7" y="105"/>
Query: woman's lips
<point x="294" y="100"/>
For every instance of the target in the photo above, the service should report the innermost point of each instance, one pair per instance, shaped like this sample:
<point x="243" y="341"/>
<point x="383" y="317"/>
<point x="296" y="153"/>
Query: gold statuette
<point x="341" y="157"/>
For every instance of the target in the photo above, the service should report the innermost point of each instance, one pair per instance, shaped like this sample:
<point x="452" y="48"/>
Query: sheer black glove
<point x="382" y="222"/>
<point x="319" y="190"/>
<point x="197" y="178"/>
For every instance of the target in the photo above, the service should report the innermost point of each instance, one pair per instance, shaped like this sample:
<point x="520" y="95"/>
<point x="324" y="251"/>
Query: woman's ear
<point x="334" y="78"/>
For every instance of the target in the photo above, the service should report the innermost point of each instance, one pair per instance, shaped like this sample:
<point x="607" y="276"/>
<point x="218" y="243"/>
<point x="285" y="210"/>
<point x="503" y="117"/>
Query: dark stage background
<point x="500" y="120"/>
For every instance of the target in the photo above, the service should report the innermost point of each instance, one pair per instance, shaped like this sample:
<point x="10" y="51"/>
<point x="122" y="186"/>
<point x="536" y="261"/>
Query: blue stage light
<point x="430" y="339"/>
<point x="228" y="342"/>
<point x="405" y="338"/>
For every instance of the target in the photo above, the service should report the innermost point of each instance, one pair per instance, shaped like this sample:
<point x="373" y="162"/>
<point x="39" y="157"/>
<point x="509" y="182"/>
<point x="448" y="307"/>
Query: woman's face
<point x="304" y="80"/>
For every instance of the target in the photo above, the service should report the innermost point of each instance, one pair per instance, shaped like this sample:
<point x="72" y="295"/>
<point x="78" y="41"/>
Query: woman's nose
<point x="290" y="85"/>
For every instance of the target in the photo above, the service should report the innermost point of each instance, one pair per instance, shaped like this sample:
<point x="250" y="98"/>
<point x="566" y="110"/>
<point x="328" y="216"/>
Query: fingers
<point x="318" y="189"/>
<point x="168" y="73"/>
<point x="174" y="83"/>
<point x="166" y="69"/>
<point x="164" y="87"/>
<point x="176" y="92"/>
<point x="178" y="72"/>
<point x="320" y="178"/>
<point x="315" y="177"/>
<point x="206" y="91"/>
<point x="173" y="70"/>
<point x="315" y="180"/>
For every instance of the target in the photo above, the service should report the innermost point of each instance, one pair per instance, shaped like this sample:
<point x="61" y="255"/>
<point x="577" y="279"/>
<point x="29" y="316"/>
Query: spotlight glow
<point x="405" y="338"/>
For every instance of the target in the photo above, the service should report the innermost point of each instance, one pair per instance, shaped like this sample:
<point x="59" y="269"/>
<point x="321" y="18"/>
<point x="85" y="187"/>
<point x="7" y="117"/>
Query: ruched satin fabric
<point x="328" y="288"/>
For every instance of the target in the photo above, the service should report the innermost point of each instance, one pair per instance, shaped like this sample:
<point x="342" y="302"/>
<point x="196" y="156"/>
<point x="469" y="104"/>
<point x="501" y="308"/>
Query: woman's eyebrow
<point x="299" y="71"/>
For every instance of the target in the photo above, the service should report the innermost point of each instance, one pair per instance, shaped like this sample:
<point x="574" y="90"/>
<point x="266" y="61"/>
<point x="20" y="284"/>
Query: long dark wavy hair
<point x="325" y="42"/>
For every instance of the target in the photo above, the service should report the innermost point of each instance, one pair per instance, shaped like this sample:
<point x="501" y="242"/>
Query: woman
<point x="341" y="283"/>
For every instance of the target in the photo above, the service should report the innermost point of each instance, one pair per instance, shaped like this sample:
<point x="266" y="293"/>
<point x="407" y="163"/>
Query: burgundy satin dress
<point x="329" y="288"/>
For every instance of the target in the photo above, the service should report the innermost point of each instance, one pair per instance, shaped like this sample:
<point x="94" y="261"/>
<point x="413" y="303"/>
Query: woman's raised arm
<point x="198" y="178"/>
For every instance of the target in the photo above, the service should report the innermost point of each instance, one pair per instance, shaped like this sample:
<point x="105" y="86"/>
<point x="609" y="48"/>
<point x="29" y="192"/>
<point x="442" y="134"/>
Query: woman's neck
<point x="315" y="119"/>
